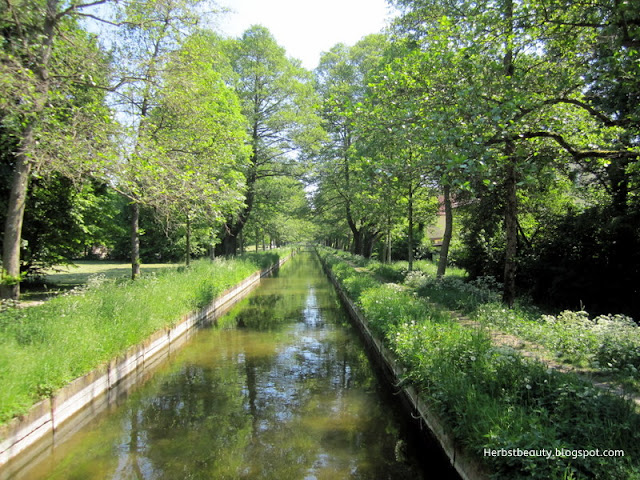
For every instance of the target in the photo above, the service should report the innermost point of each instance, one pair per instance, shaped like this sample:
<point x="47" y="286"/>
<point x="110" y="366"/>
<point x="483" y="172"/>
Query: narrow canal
<point x="281" y="388"/>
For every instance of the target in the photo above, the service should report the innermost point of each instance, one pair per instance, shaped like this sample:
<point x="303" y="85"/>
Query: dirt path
<point x="539" y="353"/>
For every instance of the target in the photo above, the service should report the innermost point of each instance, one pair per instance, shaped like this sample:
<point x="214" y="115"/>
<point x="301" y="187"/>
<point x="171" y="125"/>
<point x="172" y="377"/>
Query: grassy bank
<point x="44" y="347"/>
<point x="491" y="397"/>
<point x="607" y="346"/>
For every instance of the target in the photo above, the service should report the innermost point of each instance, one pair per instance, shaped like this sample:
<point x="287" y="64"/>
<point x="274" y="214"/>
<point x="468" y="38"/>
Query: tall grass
<point x="44" y="347"/>
<point x="491" y="397"/>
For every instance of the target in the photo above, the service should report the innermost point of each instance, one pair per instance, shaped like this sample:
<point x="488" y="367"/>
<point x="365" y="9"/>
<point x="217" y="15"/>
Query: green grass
<point x="44" y="347"/>
<point x="59" y="279"/>
<point x="491" y="396"/>
<point x="80" y="271"/>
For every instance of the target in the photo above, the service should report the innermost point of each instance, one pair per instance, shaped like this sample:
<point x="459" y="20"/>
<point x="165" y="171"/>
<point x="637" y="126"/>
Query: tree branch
<point x="560" y="140"/>
<point x="76" y="8"/>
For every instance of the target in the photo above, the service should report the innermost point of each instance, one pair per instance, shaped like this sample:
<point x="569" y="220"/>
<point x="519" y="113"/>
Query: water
<point x="281" y="389"/>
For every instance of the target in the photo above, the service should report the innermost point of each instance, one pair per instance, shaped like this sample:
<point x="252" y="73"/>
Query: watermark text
<point x="552" y="453"/>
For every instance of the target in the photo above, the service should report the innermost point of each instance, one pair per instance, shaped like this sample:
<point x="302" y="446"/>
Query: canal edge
<point x="466" y="467"/>
<point x="50" y="414"/>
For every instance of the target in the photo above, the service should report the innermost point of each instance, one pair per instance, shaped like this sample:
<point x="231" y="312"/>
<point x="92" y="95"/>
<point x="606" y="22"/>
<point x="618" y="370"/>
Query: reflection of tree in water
<point x="197" y="417"/>
<point x="313" y="408"/>
<point x="267" y="312"/>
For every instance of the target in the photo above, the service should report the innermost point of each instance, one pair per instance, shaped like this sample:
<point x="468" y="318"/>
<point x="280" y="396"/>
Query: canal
<point x="281" y="388"/>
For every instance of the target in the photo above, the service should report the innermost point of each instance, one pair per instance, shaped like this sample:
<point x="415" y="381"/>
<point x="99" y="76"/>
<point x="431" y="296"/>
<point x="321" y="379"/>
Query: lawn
<point x="78" y="273"/>
<point x="61" y="278"/>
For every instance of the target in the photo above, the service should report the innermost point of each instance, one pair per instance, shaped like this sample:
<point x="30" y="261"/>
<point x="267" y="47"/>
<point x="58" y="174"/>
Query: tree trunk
<point x="410" y="237"/>
<point x="511" y="228"/>
<point x="12" y="240"/>
<point x="187" y="257"/>
<point x="619" y="181"/>
<point x="135" y="240"/>
<point x="511" y="200"/>
<point x="233" y="228"/>
<point x="388" y="249"/>
<point x="257" y="238"/>
<point x="228" y="246"/>
<point x="357" y="242"/>
<point x="212" y="251"/>
<point x="448" y="232"/>
<point x="369" y="238"/>
<point x="10" y="285"/>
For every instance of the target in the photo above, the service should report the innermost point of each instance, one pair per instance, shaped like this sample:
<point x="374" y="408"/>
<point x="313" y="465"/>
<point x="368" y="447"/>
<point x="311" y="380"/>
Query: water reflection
<point x="284" y="391"/>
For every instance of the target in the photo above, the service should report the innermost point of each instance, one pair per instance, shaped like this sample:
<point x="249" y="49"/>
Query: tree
<point x="524" y="95"/>
<point x="398" y="161"/>
<point x="341" y="80"/>
<point x="277" y="100"/>
<point x="150" y="33"/>
<point x="54" y="120"/>
<point x="417" y="127"/>
<point x="199" y="128"/>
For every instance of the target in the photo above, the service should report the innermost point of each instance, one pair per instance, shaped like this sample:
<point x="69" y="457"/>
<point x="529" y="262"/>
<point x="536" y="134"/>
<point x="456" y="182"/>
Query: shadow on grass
<point x="63" y="278"/>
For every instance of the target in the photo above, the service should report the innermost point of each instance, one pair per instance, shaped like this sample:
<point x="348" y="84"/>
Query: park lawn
<point x="62" y="278"/>
<point x="79" y="272"/>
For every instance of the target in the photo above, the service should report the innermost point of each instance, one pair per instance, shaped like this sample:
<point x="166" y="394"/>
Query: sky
<point x="306" y="28"/>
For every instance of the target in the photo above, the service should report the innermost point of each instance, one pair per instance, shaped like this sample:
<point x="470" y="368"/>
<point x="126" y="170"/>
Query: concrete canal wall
<point x="49" y="420"/>
<point x="467" y="468"/>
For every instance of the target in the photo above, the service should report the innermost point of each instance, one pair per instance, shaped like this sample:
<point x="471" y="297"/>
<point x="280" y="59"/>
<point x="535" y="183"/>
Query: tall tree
<point x="416" y="126"/>
<point x="277" y="99"/>
<point x="150" y="32"/>
<point x="199" y="127"/>
<point x="53" y="120"/>
<point x="342" y="81"/>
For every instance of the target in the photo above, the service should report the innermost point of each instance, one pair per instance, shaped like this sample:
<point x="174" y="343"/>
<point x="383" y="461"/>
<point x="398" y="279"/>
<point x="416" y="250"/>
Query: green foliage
<point x="49" y="90"/>
<point x="516" y="103"/>
<point x="493" y="397"/>
<point x="607" y="343"/>
<point x="280" y="213"/>
<point x="64" y="221"/>
<point x="199" y="133"/>
<point x="277" y="101"/>
<point x="44" y="347"/>
<point x="349" y="187"/>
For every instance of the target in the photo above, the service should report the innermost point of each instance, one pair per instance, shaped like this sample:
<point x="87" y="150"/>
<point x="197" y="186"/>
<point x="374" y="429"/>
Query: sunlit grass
<point x="61" y="278"/>
<point x="80" y="271"/>
<point x="491" y="396"/>
<point x="44" y="347"/>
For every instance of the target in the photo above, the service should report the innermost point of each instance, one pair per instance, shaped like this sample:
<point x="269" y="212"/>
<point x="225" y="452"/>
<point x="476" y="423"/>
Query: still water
<point x="281" y="388"/>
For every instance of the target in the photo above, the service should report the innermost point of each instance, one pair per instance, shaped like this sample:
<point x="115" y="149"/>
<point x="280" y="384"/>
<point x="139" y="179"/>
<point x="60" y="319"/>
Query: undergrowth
<point x="608" y="344"/>
<point x="492" y="397"/>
